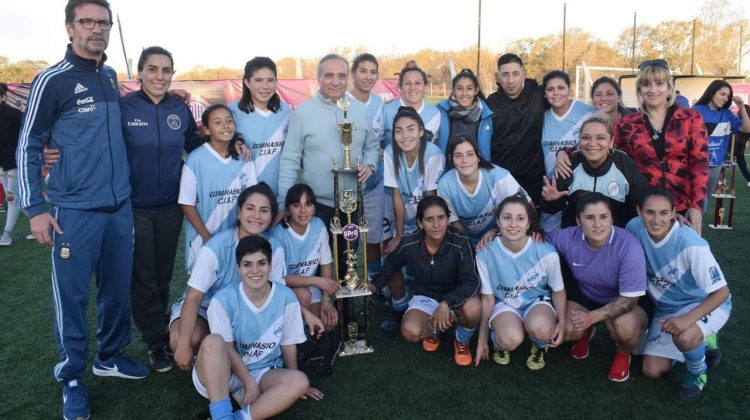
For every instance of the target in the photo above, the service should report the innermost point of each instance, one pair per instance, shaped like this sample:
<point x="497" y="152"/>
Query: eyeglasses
<point x="104" y="25"/>
<point x="656" y="63"/>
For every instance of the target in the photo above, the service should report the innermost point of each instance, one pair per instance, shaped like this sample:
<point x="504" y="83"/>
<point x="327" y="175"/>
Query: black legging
<point x="739" y="153"/>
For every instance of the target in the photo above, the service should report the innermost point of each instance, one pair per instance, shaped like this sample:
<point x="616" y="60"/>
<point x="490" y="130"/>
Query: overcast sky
<point x="229" y="32"/>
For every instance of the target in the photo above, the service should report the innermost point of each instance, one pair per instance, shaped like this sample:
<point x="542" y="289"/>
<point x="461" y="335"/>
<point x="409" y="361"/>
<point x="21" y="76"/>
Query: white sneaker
<point x="5" y="240"/>
<point x="30" y="236"/>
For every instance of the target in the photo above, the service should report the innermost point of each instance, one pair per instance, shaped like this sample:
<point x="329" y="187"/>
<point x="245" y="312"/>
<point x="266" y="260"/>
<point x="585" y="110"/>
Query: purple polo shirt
<point x="616" y="269"/>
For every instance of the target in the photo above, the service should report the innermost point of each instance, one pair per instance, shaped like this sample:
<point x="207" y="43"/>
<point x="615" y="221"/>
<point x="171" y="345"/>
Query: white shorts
<point x="177" y="311"/>
<point x="521" y="312"/>
<point x="315" y="294"/>
<point x="374" y="205"/>
<point x="658" y="343"/>
<point x="234" y="381"/>
<point x="425" y="304"/>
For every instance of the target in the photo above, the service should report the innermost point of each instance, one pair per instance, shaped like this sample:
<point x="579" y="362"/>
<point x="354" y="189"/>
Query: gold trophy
<point x="353" y="285"/>
<point x="722" y="215"/>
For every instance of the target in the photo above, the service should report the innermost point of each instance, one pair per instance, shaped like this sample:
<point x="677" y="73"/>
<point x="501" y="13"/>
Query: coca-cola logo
<point x="350" y="232"/>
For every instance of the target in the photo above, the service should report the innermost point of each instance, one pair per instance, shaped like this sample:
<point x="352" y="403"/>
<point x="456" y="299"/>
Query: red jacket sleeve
<point x="698" y="161"/>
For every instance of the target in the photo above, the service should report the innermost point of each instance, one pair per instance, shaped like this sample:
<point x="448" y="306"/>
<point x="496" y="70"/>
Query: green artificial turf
<point x="398" y="381"/>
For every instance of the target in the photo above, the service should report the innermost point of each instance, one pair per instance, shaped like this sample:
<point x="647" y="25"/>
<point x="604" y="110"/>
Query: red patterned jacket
<point x="684" y="168"/>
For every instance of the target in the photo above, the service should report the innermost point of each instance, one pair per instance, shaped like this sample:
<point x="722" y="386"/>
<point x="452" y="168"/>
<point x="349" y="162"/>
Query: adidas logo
<point x="80" y="88"/>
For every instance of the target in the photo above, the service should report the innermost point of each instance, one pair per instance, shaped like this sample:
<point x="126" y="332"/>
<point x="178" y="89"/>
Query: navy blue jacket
<point x="155" y="136"/>
<point x="74" y="107"/>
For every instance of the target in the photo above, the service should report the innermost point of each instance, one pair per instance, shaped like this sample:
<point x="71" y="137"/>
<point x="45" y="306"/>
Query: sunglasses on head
<point x="656" y="63"/>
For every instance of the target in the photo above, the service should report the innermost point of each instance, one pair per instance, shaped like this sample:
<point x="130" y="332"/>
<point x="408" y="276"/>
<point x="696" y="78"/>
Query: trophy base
<point x="723" y="196"/>
<point x="721" y="227"/>
<point x="360" y="347"/>
<point x="350" y="171"/>
<point x="346" y="293"/>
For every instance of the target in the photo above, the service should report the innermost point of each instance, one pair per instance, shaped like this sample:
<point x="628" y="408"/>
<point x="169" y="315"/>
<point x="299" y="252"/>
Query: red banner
<point x="207" y="92"/>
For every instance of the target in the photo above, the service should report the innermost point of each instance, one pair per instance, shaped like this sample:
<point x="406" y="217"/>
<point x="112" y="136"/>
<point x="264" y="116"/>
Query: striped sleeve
<point x="42" y="111"/>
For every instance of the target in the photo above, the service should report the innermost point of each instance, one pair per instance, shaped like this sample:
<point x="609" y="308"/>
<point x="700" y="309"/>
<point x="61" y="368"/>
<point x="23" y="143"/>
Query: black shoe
<point x="159" y="360"/>
<point x="380" y="302"/>
<point x="393" y="323"/>
<point x="330" y="351"/>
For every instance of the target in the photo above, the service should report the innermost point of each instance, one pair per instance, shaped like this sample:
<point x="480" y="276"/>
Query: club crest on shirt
<point x="64" y="251"/>
<point x="112" y="82"/>
<point x="174" y="122"/>
<point x="277" y="329"/>
<point x="714" y="273"/>
<point x="613" y="188"/>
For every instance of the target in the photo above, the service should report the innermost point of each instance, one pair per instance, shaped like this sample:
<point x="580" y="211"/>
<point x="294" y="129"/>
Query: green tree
<point x="20" y="72"/>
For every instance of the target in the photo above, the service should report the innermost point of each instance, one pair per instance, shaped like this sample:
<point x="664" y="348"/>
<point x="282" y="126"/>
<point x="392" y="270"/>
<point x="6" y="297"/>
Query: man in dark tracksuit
<point x="446" y="282"/>
<point x="517" y="125"/>
<point x="74" y="107"/>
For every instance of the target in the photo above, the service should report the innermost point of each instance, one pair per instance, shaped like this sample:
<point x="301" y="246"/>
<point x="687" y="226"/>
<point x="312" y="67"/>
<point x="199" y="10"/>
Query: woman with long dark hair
<point x="465" y="113"/>
<point x="721" y="123"/>
<point x="262" y="118"/>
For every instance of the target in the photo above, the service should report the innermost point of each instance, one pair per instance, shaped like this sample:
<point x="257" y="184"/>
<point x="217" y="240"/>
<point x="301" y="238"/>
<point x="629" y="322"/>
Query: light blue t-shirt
<point x="429" y="113"/>
<point x="303" y="254"/>
<point x="564" y="131"/>
<point x="216" y="265"/>
<point x="257" y="332"/>
<point x="681" y="269"/>
<point x="476" y="210"/>
<point x="411" y="184"/>
<point x="375" y="114"/>
<point x="264" y="133"/>
<point x="212" y="183"/>
<point x="519" y="278"/>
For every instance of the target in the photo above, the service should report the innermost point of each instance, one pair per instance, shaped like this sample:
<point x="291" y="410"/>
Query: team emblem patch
<point x="64" y="251"/>
<point x="277" y="329"/>
<point x="613" y="189"/>
<point x="714" y="273"/>
<point x="174" y="122"/>
<point x="112" y="82"/>
<point x="654" y="339"/>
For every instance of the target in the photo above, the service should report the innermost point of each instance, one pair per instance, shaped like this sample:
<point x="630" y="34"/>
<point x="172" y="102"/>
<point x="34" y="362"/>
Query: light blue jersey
<point x="429" y="113"/>
<point x="257" y="332"/>
<point x="303" y="254"/>
<point x="681" y="269"/>
<point x="411" y="184"/>
<point x="476" y="210"/>
<point x="519" y="278"/>
<point x="216" y="266"/>
<point x="264" y="133"/>
<point x="212" y="184"/>
<point x="375" y="114"/>
<point x="560" y="132"/>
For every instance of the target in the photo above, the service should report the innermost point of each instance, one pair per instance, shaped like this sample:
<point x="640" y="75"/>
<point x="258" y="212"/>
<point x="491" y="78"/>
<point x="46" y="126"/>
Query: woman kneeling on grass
<point x="445" y="281"/>
<point x="605" y="283"/>
<point x="518" y="276"/>
<point x="213" y="270"/>
<point x="255" y="327"/>
<point x="690" y="294"/>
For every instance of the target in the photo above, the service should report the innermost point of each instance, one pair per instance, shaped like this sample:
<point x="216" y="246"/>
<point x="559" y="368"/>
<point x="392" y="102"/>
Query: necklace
<point x="656" y="134"/>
